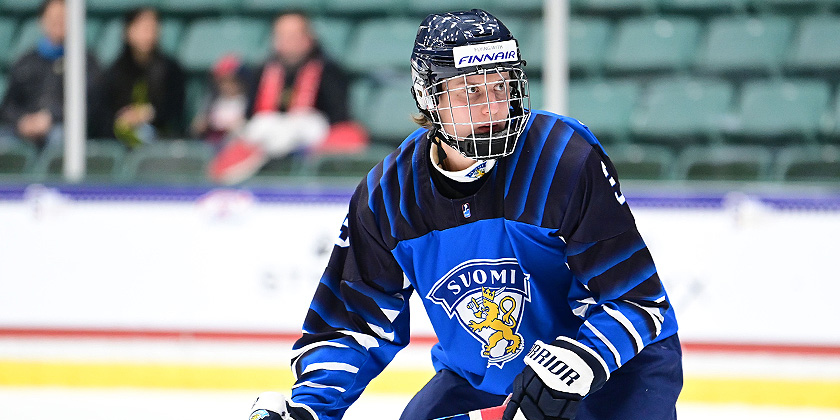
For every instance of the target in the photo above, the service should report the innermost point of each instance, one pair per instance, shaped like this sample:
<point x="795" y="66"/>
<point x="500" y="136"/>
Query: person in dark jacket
<point x="144" y="87"/>
<point x="33" y="108"/>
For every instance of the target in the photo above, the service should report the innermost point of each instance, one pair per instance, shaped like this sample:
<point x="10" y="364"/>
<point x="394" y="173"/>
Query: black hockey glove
<point x="274" y="406"/>
<point x="556" y="378"/>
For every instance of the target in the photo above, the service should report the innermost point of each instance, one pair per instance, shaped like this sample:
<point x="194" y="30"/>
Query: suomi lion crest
<point x="497" y="317"/>
<point x="488" y="297"/>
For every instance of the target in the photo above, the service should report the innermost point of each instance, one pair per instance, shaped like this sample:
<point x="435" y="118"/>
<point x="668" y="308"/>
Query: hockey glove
<point x="556" y="377"/>
<point x="274" y="406"/>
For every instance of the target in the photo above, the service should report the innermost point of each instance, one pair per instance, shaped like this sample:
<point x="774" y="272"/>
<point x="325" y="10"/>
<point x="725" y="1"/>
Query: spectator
<point x="224" y="110"/>
<point x="145" y="87"/>
<point x="33" y="107"/>
<point x="297" y="102"/>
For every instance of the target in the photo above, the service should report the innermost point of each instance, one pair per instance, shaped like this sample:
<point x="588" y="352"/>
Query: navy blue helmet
<point x="468" y="63"/>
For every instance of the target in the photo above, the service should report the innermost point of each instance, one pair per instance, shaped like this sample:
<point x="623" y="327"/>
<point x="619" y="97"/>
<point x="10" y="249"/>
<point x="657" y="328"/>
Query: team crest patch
<point x="259" y="414"/>
<point x="487" y="297"/>
<point x="478" y="171"/>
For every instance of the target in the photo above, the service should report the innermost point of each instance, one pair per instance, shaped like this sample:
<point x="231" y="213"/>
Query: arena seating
<point x="742" y="90"/>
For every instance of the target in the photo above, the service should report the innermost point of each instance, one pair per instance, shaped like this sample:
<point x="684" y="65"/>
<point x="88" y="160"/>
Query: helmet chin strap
<point x="441" y="154"/>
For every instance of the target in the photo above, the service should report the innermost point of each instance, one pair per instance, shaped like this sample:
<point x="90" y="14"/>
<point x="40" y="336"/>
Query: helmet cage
<point x="509" y="90"/>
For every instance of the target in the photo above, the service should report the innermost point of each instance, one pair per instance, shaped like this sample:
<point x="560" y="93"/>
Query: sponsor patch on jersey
<point x="487" y="297"/>
<point x="479" y="54"/>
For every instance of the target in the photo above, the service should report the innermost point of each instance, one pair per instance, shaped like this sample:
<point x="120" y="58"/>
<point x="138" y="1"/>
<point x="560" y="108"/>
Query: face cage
<point x="503" y="132"/>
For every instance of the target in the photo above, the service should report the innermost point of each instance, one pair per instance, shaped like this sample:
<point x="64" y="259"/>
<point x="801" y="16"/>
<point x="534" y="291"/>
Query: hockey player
<point x="510" y="225"/>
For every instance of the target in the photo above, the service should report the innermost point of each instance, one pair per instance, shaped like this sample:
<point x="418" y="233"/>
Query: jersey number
<point x="618" y="196"/>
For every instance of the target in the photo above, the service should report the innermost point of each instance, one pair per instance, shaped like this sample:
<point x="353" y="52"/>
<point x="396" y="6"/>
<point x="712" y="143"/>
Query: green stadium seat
<point x="16" y="158"/>
<point x="177" y="161"/>
<point x="636" y="161"/>
<point x="683" y="110"/>
<point x="353" y="165"/>
<point x="93" y="29"/>
<point x="333" y="34"/>
<point x="531" y="42"/>
<point x="604" y="106"/>
<point x="28" y="33"/>
<point x="527" y="7"/>
<point x="815" y="48"/>
<point x="820" y="164"/>
<point x="199" y="7"/>
<point x="20" y="7"/>
<point x="295" y="164"/>
<point x="278" y="6"/>
<point x="424" y="7"/>
<point x="365" y="7"/>
<point x="118" y="7"/>
<point x="781" y="111"/>
<point x="791" y="6"/>
<point x="831" y="125"/>
<point x="830" y="129"/>
<point x="171" y="32"/>
<point x="381" y="45"/>
<point x="110" y="42"/>
<point x="697" y="7"/>
<point x="103" y="161"/>
<point x="8" y="27"/>
<point x="360" y="97"/>
<point x="389" y="113"/>
<point x="588" y="40"/>
<point x="653" y="44"/>
<point x="615" y="7"/>
<point x="208" y="39"/>
<point x="745" y="44"/>
<point x="724" y="163"/>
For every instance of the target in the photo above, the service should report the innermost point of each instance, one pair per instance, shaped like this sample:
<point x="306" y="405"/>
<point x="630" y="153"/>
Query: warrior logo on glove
<point x="488" y="297"/>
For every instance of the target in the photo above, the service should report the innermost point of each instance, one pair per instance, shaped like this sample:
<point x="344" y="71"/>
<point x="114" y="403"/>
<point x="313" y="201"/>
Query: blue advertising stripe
<point x="792" y="201"/>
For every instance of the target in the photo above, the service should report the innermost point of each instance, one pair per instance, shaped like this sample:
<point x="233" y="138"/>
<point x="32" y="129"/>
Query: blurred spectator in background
<point x="33" y="108"/>
<point x="144" y="88"/>
<point x="224" y="110"/>
<point x="298" y="101"/>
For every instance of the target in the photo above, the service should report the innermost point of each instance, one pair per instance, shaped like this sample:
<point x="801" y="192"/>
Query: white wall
<point x="742" y="272"/>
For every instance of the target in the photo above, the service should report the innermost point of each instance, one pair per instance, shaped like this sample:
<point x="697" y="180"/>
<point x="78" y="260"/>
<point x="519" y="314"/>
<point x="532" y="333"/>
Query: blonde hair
<point x="422" y="120"/>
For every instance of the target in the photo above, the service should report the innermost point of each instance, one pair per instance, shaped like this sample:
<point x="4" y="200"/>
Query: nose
<point x="496" y="102"/>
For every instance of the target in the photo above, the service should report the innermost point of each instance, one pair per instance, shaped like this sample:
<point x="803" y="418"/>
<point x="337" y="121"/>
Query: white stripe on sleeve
<point x="622" y="319"/>
<point x="606" y="342"/>
<point x="331" y="366"/>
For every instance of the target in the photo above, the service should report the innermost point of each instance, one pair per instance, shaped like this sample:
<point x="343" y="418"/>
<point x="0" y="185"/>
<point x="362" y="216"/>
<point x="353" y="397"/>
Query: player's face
<point x="475" y="105"/>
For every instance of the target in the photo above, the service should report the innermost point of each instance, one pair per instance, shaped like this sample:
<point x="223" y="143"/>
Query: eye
<point x="472" y="89"/>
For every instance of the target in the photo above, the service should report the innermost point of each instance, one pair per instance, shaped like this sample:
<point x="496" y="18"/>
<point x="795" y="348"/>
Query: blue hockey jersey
<point x="546" y="247"/>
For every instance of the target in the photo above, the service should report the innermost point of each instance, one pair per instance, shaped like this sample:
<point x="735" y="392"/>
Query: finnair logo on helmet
<point x="495" y="52"/>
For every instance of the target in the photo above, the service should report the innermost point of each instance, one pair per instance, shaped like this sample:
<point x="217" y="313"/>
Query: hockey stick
<point x="492" y="413"/>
